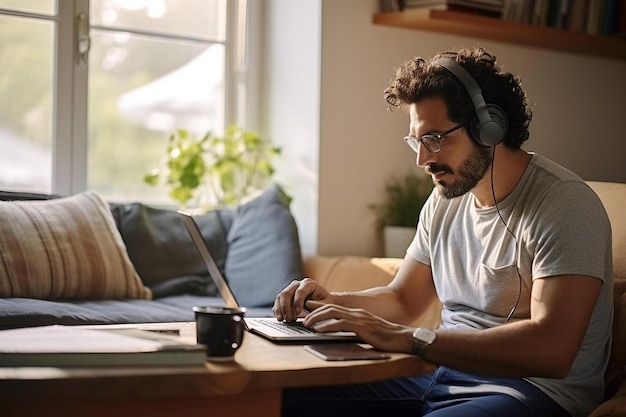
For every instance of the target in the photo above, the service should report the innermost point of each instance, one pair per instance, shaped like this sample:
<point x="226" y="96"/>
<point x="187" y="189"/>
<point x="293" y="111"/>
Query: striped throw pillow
<point x="67" y="248"/>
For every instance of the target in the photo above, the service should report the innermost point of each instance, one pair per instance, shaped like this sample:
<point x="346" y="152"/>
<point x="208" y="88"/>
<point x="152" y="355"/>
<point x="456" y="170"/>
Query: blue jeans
<point x="445" y="392"/>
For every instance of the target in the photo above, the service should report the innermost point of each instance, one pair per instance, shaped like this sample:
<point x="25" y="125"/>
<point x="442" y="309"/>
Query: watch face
<point x="425" y="335"/>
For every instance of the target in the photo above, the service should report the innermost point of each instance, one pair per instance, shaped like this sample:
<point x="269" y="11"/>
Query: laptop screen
<point x="205" y="253"/>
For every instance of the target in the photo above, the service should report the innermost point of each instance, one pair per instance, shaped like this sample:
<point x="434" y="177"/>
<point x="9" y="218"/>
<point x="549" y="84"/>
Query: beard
<point x="471" y="171"/>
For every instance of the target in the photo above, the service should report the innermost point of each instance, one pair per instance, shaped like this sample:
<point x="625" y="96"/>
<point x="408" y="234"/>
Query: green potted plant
<point x="215" y="171"/>
<point x="397" y="216"/>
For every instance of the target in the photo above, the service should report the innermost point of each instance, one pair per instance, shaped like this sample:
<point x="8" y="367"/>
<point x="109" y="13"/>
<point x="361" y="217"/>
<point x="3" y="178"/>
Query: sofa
<point x="257" y="247"/>
<point x="353" y="273"/>
<point x="80" y="260"/>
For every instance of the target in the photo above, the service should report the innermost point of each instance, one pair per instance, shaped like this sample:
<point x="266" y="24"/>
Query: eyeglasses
<point x="431" y="142"/>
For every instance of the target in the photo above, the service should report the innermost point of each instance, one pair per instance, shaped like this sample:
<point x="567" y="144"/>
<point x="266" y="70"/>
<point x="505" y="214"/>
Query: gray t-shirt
<point x="560" y="227"/>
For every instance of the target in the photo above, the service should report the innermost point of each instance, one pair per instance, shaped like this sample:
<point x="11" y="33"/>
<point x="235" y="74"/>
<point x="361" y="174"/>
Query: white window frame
<point x="69" y="149"/>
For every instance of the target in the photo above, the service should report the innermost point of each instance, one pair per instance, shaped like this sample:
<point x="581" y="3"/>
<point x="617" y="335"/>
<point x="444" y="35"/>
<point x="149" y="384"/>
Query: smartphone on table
<point x="344" y="352"/>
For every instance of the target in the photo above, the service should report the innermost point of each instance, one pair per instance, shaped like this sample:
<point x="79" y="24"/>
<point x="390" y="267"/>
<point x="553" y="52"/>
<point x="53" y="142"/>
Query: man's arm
<point x="407" y="296"/>
<point x="544" y="345"/>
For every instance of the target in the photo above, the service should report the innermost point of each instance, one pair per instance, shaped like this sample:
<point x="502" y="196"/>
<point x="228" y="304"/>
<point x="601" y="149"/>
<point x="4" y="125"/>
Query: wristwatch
<point x="422" y="338"/>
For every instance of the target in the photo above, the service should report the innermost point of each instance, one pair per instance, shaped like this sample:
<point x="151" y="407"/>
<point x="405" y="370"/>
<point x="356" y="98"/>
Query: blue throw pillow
<point x="263" y="249"/>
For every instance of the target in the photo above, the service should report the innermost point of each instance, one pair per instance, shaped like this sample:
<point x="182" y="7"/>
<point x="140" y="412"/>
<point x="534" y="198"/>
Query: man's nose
<point x="424" y="156"/>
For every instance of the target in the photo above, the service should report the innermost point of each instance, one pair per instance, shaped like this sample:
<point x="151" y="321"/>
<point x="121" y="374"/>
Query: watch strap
<point x="422" y="339"/>
<point x="419" y="347"/>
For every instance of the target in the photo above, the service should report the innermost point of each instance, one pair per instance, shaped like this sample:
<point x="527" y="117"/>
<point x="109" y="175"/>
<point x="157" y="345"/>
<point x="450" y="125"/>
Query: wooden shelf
<point x="466" y="24"/>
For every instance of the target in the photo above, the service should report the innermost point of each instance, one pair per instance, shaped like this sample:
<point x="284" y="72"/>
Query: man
<point x="516" y="248"/>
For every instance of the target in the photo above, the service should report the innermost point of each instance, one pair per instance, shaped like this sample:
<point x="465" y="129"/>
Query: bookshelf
<point x="466" y="24"/>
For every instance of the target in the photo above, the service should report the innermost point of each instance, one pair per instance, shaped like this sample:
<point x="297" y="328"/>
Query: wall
<point x="289" y="103"/>
<point x="579" y="105"/>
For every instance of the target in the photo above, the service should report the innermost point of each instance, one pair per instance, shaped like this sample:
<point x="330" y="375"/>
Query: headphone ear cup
<point x="474" y="129"/>
<point x="492" y="132"/>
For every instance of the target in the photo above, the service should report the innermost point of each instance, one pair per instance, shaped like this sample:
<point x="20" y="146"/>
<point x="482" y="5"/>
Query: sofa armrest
<point x="350" y="273"/>
<point x="354" y="273"/>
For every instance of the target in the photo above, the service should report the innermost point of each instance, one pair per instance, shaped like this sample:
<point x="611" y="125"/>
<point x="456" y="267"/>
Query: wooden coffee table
<point x="251" y="385"/>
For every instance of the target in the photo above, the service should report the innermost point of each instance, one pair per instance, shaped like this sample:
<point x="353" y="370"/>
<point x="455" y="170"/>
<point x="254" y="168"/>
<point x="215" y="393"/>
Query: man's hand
<point x="380" y="333"/>
<point x="290" y="302"/>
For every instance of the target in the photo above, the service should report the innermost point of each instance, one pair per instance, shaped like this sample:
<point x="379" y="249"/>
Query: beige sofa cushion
<point x="67" y="248"/>
<point x="613" y="196"/>
<point x="350" y="273"/>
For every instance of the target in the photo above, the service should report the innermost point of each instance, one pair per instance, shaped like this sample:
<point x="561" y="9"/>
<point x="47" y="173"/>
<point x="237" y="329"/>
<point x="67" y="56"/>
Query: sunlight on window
<point x="47" y="7"/>
<point x="26" y="94"/>
<point x="155" y="66"/>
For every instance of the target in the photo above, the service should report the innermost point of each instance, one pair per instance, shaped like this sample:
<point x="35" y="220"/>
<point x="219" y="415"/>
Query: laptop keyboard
<point x="287" y="327"/>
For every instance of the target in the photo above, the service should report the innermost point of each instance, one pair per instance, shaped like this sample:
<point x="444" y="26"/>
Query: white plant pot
<point x="397" y="240"/>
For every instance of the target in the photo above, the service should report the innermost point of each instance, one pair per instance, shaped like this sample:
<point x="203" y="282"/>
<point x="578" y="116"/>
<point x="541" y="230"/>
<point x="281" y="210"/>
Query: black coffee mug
<point x="220" y="329"/>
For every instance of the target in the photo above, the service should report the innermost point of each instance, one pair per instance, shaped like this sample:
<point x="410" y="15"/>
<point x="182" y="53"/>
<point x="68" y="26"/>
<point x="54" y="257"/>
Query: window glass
<point x="26" y="94"/>
<point x="47" y="7"/>
<point x="204" y="19"/>
<point x="143" y="86"/>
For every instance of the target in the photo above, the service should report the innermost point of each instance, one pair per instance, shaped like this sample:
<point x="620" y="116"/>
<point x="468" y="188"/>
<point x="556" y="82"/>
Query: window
<point x="26" y="93"/>
<point x="100" y="120"/>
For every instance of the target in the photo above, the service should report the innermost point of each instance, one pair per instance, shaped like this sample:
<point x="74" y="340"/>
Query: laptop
<point x="267" y="327"/>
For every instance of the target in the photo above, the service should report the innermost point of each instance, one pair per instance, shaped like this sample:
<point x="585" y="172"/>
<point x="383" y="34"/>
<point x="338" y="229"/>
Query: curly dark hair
<point x="418" y="79"/>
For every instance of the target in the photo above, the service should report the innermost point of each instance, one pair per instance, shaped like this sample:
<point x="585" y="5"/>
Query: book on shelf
<point x="72" y="346"/>
<point x="551" y="13"/>
<point x="390" y="6"/>
<point x="594" y="17"/>
<point x="485" y="7"/>
<point x="539" y="15"/>
<point x="521" y="11"/>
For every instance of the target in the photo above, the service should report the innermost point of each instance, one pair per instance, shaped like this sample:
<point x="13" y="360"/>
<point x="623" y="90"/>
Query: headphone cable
<point x="495" y="202"/>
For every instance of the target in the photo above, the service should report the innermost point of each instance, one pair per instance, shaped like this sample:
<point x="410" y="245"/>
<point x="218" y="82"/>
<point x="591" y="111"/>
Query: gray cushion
<point x="26" y="312"/>
<point x="263" y="249"/>
<point x="162" y="251"/>
<point x="25" y="196"/>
